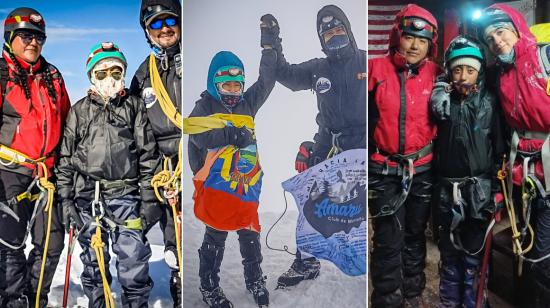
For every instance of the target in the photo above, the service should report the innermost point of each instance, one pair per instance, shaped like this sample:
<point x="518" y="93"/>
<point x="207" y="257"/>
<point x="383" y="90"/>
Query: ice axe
<point x="68" y="266"/>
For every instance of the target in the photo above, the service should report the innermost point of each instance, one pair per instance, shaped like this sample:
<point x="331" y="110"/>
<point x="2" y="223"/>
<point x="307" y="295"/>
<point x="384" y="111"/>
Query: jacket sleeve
<point x="211" y="139"/>
<point x="148" y="154"/>
<point x="258" y="93"/>
<point x="296" y="77"/>
<point x="64" y="169"/>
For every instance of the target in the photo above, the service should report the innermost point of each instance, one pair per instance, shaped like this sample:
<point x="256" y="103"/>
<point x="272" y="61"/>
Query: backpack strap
<point x="544" y="60"/>
<point x="4" y="77"/>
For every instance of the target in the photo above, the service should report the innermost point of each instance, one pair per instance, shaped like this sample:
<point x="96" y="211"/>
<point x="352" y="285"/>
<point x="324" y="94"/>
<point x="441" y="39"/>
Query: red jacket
<point x="522" y="85"/>
<point x="399" y="119"/>
<point x="32" y="126"/>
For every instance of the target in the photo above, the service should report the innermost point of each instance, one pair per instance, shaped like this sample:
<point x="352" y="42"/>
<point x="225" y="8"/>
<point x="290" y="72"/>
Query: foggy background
<point x="287" y="118"/>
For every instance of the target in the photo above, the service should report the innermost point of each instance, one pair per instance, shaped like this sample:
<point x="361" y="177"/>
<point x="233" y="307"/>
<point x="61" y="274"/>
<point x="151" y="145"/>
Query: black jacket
<point x="253" y="98"/>
<point x="471" y="141"/>
<point x="339" y="83"/>
<point x="166" y="133"/>
<point x="107" y="142"/>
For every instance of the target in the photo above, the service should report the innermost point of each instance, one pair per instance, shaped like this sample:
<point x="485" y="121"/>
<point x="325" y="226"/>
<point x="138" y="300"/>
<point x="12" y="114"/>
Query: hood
<point x="221" y="59"/>
<point x="409" y="11"/>
<point x="172" y="5"/>
<point x="333" y="10"/>
<point x="526" y="38"/>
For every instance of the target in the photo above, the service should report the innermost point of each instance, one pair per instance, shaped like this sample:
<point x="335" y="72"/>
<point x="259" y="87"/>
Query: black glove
<point x="303" y="157"/>
<point x="269" y="27"/>
<point x="71" y="216"/>
<point x="150" y="213"/>
<point x="240" y="137"/>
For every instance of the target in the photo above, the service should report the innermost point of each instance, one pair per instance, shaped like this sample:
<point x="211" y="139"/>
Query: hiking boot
<point x="414" y="302"/>
<point x="300" y="270"/>
<point x="259" y="292"/>
<point x="215" y="298"/>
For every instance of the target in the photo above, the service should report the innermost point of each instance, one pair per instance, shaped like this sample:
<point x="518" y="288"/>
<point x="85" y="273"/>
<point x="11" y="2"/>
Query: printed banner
<point x="331" y="198"/>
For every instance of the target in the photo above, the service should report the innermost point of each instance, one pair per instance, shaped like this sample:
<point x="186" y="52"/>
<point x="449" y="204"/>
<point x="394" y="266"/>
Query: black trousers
<point x="398" y="255"/>
<point x="19" y="274"/>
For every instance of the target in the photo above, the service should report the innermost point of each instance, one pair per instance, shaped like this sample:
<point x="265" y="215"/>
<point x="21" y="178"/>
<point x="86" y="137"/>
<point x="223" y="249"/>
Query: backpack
<point x="4" y="77"/>
<point x="542" y="34"/>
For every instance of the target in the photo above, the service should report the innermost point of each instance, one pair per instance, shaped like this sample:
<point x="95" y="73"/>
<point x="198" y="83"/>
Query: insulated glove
<point x="441" y="101"/>
<point x="240" y="137"/>
<point x="304" y="156"/>
<point x="150" y="210"/>
<point x="269" y="27"/>
<point x="71" y="216"/>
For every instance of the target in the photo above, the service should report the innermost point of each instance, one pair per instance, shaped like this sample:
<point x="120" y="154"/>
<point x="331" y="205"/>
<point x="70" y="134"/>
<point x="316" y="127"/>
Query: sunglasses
<point x="158" y="23"/>
<point x="115" y="73"/>
<point x="27" y="38"/>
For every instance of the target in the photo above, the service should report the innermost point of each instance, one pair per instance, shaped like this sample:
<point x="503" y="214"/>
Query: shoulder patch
<point x="323" y="85"/>
<point x="149" y="97"/>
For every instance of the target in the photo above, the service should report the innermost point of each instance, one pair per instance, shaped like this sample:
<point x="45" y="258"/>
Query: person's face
<point x="169" y="32"/>
<point x="413" y="48"/>
<point x="28" y="46"/>
<point x="232" y="86"/>
<point x="464" y="77"/>
<point x="332" y="32"/>
<point x="501" y="41"/>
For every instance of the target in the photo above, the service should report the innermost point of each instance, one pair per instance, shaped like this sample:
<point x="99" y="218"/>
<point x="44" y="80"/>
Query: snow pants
<point x="398" y="256"/>
<point x="130" y="246"/>
<point x="211" y="256"/>
<point x="460" y="271"/>
<point x="19" y="274"/>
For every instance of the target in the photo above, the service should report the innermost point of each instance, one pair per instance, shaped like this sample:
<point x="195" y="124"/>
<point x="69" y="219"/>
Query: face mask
<point x="507" y="59"/>
<point x="230" y="101"/>
<point x="108" y="87"/>
<point x="337" y="42"/>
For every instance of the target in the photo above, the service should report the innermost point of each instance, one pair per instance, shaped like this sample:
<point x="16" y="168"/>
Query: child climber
<point x="107" y="159"/>
<point x="469" y="146"/>
<point x="225" y="95"/>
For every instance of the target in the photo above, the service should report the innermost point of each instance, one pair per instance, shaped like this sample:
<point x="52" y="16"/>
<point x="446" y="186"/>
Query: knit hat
<point x="102" y="51"/>
<point x="504" y="24"/>
<point x="470" y="61"/>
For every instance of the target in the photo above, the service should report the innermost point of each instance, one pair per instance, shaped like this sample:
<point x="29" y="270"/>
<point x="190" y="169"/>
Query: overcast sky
<point x="287" y="118"/>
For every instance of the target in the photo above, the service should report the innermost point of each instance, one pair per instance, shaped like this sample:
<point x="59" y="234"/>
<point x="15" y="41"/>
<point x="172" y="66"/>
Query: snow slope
<point x="331" y="289"/>
<point x="159" y="271"/>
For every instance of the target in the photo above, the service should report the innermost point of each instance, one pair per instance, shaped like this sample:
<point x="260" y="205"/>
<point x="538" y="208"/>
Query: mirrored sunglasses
<point x="158" y="23"/>
<point x="27" y="38"/>
<point x="116" y="74"/>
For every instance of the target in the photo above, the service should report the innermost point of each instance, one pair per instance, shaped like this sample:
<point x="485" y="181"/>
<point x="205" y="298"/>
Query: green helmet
<point x="102" y="51"/>
<point x="463" y="46"/>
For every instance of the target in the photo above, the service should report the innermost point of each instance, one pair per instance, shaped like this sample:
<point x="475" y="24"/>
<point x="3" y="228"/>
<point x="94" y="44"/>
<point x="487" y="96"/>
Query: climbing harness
<point x="405" y="168"/>
<point x="98" y="245"/>
<point x="169" y="179"/>
<point x="459" y="211"/>
<point x="43" y="201"/>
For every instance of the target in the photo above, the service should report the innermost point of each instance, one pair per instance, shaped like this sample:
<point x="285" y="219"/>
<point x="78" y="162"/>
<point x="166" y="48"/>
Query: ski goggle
<point x="26" y="38"/>
<point x="159" y="22"/>
<point x="116" y="73"/>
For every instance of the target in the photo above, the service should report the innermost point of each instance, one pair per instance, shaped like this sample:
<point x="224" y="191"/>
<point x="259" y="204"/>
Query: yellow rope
<point x="49" y="187"/>
<point x="516" y="244"/>
<point x="162" y="95"/>
<point x="168" y="179"/>
<point x="98" y="245"/>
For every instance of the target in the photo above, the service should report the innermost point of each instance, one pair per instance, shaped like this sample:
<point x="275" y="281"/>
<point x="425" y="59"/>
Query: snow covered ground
<point x="159" y="271"/>
<point x="331" y="289"/>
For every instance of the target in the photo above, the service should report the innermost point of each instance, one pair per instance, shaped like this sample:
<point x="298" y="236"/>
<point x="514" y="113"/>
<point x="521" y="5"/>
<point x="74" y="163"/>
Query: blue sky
<point x="73" y="27"/>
